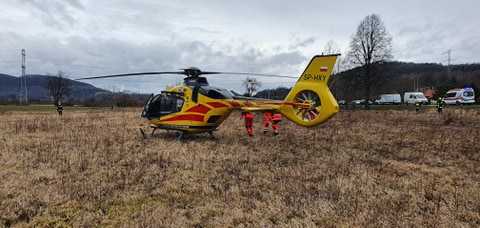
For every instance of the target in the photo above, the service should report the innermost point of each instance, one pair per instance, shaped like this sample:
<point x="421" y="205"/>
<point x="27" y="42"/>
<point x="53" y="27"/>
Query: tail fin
<point x="310" y="101"/>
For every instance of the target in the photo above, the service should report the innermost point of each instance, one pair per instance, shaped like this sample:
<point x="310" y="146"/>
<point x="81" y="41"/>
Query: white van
<point x="414" y="97"/>
<point x="460" y="96"/>
<point x="389" y="99"/>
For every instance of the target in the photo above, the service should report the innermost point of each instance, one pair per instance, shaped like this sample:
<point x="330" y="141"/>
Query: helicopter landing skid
<point x="144" y="135"/>
<point x="153" y="131"/>
<point x="179" y="133"/>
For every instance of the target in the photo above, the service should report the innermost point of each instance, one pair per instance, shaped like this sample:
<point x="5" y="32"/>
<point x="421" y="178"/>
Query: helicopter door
<point x="163" y="104"/>
<point x="146" y="105"/>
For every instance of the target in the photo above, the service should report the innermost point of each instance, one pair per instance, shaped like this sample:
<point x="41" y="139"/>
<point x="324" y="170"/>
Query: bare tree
<point x="251" y="86"/>
<point x="331" y="48"/>
<point x="370" y="45"/>
<point x="58" y="87"/>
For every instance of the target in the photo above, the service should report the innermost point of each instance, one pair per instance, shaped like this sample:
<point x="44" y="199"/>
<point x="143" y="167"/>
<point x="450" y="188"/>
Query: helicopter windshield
<point x="163" y="104"/>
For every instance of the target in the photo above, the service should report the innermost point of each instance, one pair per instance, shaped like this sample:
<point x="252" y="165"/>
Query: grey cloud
<point x="428" y="42"/>
<point x="80" y="57"/>
<point x="76" y="3"/>
<point x="306" y="42"/>
<point x="301" y="43"/>
<point x="54" y="13"/>
<point x="102" y="37"/>
<point x="195" y="29"/>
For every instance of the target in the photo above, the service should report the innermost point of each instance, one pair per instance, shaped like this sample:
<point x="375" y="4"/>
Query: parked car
<point x="342" y="102"/>
<point x="360" y="102"/>
<point x="414" y="97"/>
<point x="460" y="96"/>
<point x="389" y="99"/>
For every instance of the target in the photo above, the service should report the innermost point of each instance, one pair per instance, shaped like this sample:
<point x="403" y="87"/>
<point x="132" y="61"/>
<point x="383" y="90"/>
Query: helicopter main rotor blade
<point x="194" y="72"/>
<point x="132" y="74"/>
<point x="247" y="73"/>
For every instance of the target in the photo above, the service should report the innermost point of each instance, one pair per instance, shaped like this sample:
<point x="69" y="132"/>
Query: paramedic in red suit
<point x="267" y="121"/>
<point x="276" y="118"/>
<point x="248" y="116"/>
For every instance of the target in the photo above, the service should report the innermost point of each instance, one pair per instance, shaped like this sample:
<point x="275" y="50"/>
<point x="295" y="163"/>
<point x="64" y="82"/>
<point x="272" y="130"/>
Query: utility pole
<point x="24" y="76"/>
<point x="449" y="53"/>
<point x="449" y="60"/>
<point x="23" y="88"/>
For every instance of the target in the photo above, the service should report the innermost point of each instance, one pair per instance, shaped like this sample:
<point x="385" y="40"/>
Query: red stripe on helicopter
<point x="323" y="69"/>
<point x="217" y="104"/>
<point x="199" y="109"/>
<point x="192" y="117"/>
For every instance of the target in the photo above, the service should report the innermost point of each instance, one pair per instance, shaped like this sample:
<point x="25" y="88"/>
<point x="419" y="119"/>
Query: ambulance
<point x="460" y="96"/>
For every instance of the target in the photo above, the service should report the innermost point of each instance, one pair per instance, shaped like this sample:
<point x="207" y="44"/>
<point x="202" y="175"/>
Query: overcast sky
<point x="96" y="37"/>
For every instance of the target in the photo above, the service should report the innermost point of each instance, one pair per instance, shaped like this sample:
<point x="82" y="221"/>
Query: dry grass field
<point x="361" y="169"/>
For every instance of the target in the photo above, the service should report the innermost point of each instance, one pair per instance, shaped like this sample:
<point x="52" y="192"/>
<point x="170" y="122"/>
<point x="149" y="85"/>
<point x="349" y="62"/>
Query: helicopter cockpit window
<point x="164" y="104"/>
<point x="215" y="93"/>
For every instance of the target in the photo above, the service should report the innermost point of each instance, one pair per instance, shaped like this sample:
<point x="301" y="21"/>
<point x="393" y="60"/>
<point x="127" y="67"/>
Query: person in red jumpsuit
<point x="248" y="116"/>
<point x="267" y="120"/>
<point x="276" y="119"/>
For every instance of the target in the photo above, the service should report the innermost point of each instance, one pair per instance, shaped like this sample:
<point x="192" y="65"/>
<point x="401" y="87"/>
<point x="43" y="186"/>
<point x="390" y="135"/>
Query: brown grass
<point x="363" y="168"/>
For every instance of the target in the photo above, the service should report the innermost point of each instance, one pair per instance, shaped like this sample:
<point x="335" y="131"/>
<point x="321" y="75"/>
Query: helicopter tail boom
<point x="310" y="102"/>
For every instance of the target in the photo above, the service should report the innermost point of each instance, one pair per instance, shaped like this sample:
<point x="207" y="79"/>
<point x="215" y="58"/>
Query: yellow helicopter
<point x="197" y="107"/>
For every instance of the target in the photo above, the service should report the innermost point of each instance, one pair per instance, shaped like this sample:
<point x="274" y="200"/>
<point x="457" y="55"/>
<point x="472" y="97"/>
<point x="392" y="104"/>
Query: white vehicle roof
<point x="390" y="94"/>
<point x="454" y="90"/>
<point x="458" y="90"/>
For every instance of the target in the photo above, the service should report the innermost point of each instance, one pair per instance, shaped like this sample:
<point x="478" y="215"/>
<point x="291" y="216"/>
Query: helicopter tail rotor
<point x="310" y="101"/>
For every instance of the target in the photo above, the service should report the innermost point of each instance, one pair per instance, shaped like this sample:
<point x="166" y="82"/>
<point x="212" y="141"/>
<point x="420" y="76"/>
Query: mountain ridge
<point x="38" y="88"/>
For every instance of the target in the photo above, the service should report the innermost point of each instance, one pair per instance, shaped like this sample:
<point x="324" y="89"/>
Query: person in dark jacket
<point x="440" y="104"/>
<point x="60" y="109"/>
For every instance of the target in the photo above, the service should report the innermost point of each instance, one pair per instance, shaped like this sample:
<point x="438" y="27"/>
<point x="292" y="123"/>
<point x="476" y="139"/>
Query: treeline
<point x="116" y="99"/>
<point x="103" y="99"/>
<point x="398" y="77"/>
<point x="275" y="94"/>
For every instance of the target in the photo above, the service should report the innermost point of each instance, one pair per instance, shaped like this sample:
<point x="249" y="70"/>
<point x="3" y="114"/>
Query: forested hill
<point x="400" y="77"/>
<point x="38" y="88"/>
<point x="396" y="77"/>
